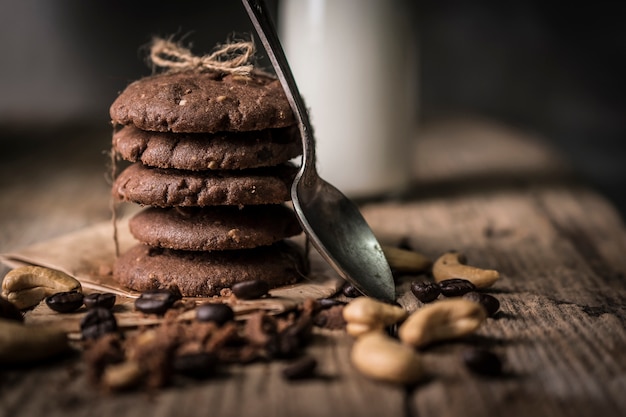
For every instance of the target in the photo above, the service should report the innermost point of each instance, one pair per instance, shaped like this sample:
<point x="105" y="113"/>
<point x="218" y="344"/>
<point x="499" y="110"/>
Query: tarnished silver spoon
<point x="333" y="223"/>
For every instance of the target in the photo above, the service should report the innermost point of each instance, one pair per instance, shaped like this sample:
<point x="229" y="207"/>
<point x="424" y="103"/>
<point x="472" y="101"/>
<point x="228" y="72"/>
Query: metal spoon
<point x="332" y="222"/>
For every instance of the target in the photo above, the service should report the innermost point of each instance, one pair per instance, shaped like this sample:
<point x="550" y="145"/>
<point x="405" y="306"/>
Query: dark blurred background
<point x="552" y="70"/>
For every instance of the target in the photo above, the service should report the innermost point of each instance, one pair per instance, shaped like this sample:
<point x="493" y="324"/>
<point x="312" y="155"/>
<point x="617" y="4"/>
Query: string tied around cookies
<point x="230" y="58"/>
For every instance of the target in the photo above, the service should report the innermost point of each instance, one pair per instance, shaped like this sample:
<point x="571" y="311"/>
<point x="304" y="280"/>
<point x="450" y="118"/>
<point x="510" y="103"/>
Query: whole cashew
<point x="359" y="329"/>
<point x="404" y="260"/>
<point x="26" y="286"/>
<point x="446" y="319"/>
<point x="452" y="265"/>
<point x="367" y="310"/>
<point x="380" y="357"/>
<point x="20" y="343"/>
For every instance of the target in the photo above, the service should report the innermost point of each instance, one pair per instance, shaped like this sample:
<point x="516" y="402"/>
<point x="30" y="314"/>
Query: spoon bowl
<point x="332" y="222"/>
<point x="338" y="231"/>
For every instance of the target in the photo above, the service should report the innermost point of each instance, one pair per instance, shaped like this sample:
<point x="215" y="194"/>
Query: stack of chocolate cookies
<point x="210" y="164"/>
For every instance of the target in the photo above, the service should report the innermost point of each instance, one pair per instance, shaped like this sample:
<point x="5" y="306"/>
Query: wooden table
<point x="503" y="198"/>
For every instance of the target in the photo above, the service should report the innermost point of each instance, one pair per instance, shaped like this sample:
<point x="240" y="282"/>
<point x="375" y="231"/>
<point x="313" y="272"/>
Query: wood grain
<point x="499" y="196"/>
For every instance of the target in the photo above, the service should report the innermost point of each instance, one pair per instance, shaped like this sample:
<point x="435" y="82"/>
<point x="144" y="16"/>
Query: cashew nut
<point x="122" y="376"/>
<point x="367" y="310"/>
<point x="452" y="265"/>
<point x="443" y="320"/>
<point x="26" y="286"/>
<point x="380" y="357"/>
<point x="20" y="343"/>
<point x="359" y="329"/>
<point x="406" y="260"/>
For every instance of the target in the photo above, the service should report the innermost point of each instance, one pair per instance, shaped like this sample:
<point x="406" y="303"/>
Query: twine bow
<point x="231" y="58"/>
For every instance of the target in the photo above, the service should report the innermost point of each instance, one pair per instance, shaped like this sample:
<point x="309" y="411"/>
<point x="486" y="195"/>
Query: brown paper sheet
<point x="88" y="256"/>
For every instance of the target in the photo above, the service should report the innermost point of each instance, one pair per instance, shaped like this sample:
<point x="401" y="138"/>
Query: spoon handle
<point x="257" y="11"/>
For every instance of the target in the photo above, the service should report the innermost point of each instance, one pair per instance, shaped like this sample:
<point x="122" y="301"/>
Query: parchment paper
<point x="88" y="256"/>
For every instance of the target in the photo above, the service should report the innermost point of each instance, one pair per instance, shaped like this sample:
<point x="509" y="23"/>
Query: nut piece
<point x="26" y="286"/>
<point x="446" y="319"/>
<point x="122" y="376"/>
<point x="380" y="357"/>
<point x="21" y="344"/>
<point x="367" y="310"/>
<point x="404" y="260"/>
<point x="451" y="265"/>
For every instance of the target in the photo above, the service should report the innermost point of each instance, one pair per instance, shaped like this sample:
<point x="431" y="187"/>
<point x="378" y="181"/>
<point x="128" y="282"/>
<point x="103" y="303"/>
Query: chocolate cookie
<point x="214" y="228"/>
<point x="205" y="102"/>
<point x="170" y="187"/>
<point x="198" y="151"/>
<point x="196" y="274"/>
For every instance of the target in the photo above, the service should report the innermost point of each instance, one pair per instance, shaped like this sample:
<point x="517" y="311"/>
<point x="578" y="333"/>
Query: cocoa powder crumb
<point x="173" y="347"/>
<point x="223" y="336"/>
<point x="226" y="292"/>
<point x="330" y="318"/>
<point x="101" y="352"/>
<point x="105" y="270"/>
<point x="259" y="328"/>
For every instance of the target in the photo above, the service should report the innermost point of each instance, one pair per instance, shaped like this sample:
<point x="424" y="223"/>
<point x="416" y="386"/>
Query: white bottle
<point x="354" y="63"/>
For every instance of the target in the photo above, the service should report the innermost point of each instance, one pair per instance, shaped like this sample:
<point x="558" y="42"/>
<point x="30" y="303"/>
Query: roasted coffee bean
<point x="155" y="301"/>
<point x="350" y="291"/>
<point x="195" y="365"/>
<point x="324" y="303"/>
<point x="9" y="311"/>
<point x="404" y="243"/>
<point x="482" y="361"/>
<point x="491" y="303"/>
<point x="455" y="287"/>
<point x="65" y="302"/>
<point x="215" y="312"/>
<point x="425" y="291"/>
<point x="300" y="369"/>
<point x="97" y="322"/>
<point x="248" y="290"/>
<point x="104" y="300"/>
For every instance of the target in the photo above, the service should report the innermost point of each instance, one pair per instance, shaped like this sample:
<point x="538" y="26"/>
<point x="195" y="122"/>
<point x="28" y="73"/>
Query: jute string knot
<point x="231" y="58"/>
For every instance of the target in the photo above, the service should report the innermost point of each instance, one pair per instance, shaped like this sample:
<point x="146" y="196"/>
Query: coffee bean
<point x="456" y="287"/>
<point x="301" y="368"/>
<point x="482" y="361"/>
<point x="195" y="365"/>
<point x="65" y="302"/>
<point x="248" y="290"/>
<point x="491" y="303"/>
<point x="9" y="311"/>
<point x="350" y="291"/>
<point x="215" y="312"/>
<point x="104" y="300"/>
<point x="324" y="303"/>
<point x="97" y="322"/>
<point x="425" y="291"/>
<point x="404" y="243"/>
<point x="155" y="301"/>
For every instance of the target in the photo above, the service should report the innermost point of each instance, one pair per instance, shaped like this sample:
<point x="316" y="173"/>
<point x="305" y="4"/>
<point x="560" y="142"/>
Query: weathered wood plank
<point x="561" y="325"/>
<point x="560" y="250"/>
